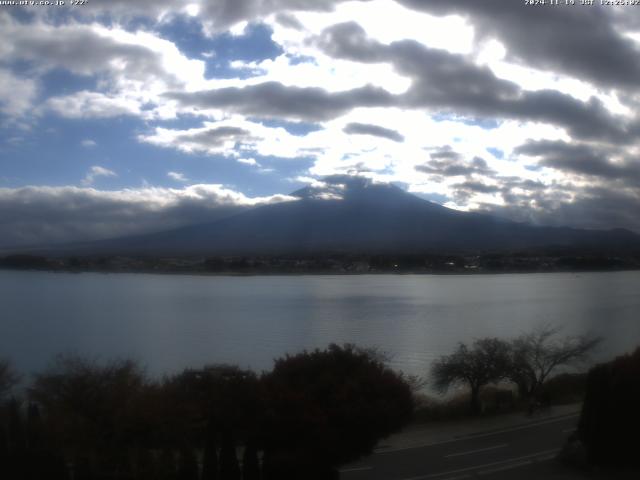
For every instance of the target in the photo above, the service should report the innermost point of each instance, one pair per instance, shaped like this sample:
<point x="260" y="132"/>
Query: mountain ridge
<point x="345" y="214"/>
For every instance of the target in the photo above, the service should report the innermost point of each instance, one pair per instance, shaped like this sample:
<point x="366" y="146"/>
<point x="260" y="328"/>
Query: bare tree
<point x="534" y="356"/>
<point x="485" y="362"/>
<point x="8" y="378"/>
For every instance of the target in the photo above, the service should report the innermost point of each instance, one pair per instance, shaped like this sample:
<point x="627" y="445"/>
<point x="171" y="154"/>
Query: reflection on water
<point x="169" y="322"/>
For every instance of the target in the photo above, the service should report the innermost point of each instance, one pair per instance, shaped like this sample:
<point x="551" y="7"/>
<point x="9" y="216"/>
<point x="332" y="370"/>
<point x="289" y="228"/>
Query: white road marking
<point x="460" y="454"/>
<point x="518" y="464"/>
<point x="506" y="464"/>
<point x="461" y="477"/>
<point x="355" y="469"/>
<point x="480" y="435"/>
<point x="503" y="468"/>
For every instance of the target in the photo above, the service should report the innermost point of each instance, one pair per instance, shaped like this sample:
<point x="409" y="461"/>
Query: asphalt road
<point x="508" y="453"/>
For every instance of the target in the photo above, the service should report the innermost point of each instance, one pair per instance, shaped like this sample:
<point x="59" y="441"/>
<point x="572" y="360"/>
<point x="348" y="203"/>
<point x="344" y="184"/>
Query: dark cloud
<point x="82" y="50"/>
<point x="445" y="153"/>
<point x="444" y="79"/>
<point x="375" y="130"/>
<point x="349" y="41"/>
<point x="439" y="77"/>
<point x="221" y="14"/>
<point x="463" y="192"/>
<point x="216" y="15"/>
<point x="289" y="21"/>
<point x="446" y="162"/>
<point x="581" y="159"/>
<point x="274" y="100"/>
<point x="584" y="120"/>
<point x="40" y="215"/>
<point x="127" y="8"/>
<point x="453" y="83"/>
<point x="213" y="137"/>
<point x="509" y="183"/>
<point x="563" y="205"/>
<point x="477" y="187"/>
<point x="584" y="42"/>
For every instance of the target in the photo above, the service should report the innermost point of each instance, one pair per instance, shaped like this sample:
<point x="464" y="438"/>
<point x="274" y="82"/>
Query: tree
<point x="167" y="465"/>
<point x="91" y="406"/>
<point x="17" y="434"/>
<point x="534" y="356"/>
<point x="328" y="407"/>
<point x="229" y="467"/>
<point x="83" y="469"/>
<point x="210" y="456"/>
<point x="250" y="462"/>
<point x="187" y="465"/>
<point x="213" y="399"/>
<point x="4" y="451"/>
<point x="34" y="428"/>
<point x="17" y="464"/>
<point x="485" y="362"/>
<point x="8" y="378"/>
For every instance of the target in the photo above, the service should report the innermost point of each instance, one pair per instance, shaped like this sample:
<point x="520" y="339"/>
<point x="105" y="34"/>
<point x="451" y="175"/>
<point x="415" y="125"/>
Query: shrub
<point x="329" y="407"/>
<point x="610" y="415"/>
<point x="565" y="388"/>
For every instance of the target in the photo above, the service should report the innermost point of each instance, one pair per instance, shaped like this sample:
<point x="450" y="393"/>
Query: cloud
<point x="583" y="120"/>
<point x="127" y="9"/>
<point x="465" y="191"/>
<point x="289" y="21"/>
<point x="87" y="104"/>
<point x="374" y="130"/>
<point x="88" y="143"/>
<point x="453" y="83"/>
<point x="131" y="69"/>
<point x="594" y="207"/>
<point x="236" y="139"/>
<point x="435" y="73"/>
<point x="96" y="172"/>
<point x="216" y="15"/>
<point x="42" y="215"/>
<point x="275" y="100"/>
<point x="593" y="161"/>
<point x="477" y="187"/>
<point x="249" y="161"/>
<point x="211" y="139"/>
<point x="552" y="39"/>
<point x="177" y="176"/>
<point x="222" y="14"/>
<point x="349" y="41"/>
<point x="17" y="94"/>
<point x="448" y="163"/>
<point x="88" y="49"/>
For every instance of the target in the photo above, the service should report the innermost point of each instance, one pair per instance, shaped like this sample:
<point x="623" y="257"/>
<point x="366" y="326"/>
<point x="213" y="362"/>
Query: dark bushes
<point x="108" y="421"/>
<point x="565" y="388"/>
<point x="330" y="407"/>
<point x="610" y="419"/>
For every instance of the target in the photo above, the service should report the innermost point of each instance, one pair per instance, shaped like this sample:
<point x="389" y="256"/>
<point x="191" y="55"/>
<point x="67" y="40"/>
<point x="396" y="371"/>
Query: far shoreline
<point x="197" y="273"/>
<point x="332" y="264"/>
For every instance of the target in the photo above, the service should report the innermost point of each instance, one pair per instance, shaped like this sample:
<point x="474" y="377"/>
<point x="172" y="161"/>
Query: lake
<point x="168" y="322"/>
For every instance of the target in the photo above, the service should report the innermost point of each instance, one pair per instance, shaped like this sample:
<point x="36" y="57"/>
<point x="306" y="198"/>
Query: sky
<point x="120" y="117"/>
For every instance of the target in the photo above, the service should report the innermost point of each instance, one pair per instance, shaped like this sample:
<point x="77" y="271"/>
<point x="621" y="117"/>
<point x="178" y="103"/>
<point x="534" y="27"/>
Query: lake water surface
<point x="172" y="321"/>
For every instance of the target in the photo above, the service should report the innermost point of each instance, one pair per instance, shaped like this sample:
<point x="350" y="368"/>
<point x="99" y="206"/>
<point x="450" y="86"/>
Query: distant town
<point x="526" y="262"/>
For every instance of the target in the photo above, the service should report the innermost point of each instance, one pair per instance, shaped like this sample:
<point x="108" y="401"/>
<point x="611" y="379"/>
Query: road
<point x="507" y="453"/>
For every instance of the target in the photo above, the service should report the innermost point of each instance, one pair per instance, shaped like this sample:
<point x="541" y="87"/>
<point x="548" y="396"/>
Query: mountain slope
<point x="353" y="215"/>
